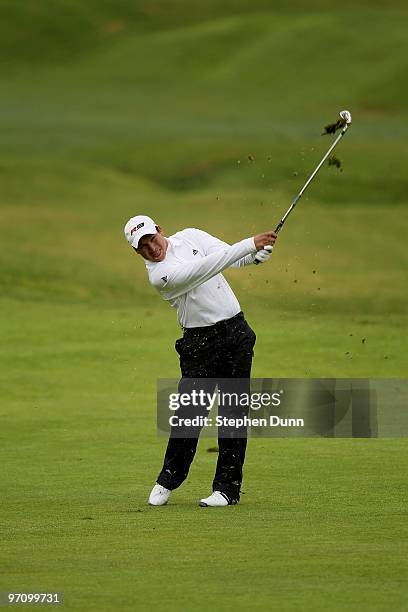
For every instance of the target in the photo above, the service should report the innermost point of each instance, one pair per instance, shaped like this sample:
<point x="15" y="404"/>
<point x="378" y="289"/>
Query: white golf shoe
<point x="216" y="500"/>
<point x="159" y="495"/>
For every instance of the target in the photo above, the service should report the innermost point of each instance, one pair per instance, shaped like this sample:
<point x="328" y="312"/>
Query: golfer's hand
<point x="264" y="254"/>
<point x="263" y="240"/>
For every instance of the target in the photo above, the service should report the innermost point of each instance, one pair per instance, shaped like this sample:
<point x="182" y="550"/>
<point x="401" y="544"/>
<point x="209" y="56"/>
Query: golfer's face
<point x="152" y="247"/>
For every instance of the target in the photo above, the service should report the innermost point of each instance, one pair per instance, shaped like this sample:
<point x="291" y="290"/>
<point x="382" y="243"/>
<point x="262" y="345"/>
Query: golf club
<point x="343" y="124"/>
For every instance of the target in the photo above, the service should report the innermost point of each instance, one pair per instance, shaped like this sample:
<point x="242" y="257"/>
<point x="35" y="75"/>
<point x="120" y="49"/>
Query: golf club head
<point x="346" y="115"/>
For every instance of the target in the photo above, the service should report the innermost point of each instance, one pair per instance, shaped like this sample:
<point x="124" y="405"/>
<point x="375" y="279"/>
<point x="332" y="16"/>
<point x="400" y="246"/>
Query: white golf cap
<point x="137" y="227"/>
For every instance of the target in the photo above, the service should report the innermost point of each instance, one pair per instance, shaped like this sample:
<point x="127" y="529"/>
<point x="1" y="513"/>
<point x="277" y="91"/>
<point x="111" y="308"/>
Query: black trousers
<point x="221" y="351"/>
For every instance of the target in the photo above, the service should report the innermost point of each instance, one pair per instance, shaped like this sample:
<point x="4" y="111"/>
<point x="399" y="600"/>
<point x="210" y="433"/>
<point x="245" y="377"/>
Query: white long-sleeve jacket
<point x="190" y="278"/>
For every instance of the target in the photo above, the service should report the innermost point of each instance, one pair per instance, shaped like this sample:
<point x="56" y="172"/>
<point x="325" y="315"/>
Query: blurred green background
<point x="200" y="114"/>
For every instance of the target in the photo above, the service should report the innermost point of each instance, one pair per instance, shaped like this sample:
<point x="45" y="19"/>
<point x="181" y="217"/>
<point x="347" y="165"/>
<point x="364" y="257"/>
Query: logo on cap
<point x="164" y="279"/>
<point x="195" y="251"/>
<point x="134" y="229"/>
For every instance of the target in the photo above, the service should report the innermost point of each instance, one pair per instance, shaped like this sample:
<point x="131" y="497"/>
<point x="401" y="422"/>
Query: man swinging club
<point x="217" y="341"/>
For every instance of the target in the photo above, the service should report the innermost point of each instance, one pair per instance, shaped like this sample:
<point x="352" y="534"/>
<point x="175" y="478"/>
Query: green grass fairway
<point x="208" y="115"/>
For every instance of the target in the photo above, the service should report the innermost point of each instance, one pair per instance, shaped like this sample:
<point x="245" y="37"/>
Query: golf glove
<point x="264" y="254"/>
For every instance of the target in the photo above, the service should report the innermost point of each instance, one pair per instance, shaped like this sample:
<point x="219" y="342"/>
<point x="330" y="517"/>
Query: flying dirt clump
<point x="334" y="161"/>
<point x="332" y="128"/>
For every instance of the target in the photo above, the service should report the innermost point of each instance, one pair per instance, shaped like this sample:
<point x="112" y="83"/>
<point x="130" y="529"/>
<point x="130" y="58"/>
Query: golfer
<point x="217" y="342"/>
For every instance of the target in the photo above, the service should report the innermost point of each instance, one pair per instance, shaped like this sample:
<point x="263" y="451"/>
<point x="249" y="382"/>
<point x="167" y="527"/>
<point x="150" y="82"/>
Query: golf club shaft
<point x="309" y="180"/>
